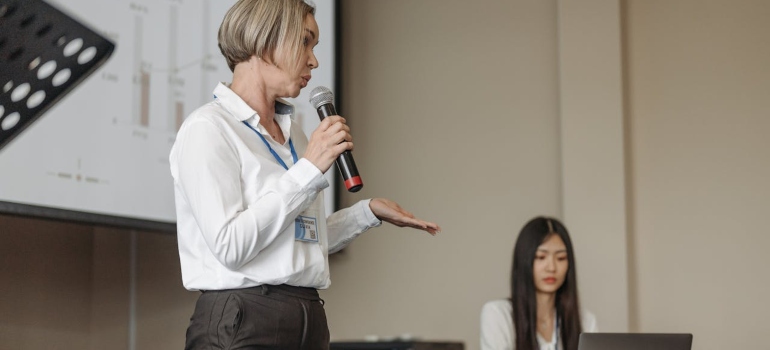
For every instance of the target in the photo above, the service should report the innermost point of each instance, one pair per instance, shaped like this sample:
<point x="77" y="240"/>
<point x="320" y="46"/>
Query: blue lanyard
<point x="280" y="161"/>
<point x="556" y="344"/>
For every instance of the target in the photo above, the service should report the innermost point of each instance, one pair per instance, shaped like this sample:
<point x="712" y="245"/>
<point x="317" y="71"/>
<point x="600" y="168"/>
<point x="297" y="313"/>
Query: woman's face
<point x="295" y="75"/>
<point x="550" y="265"/>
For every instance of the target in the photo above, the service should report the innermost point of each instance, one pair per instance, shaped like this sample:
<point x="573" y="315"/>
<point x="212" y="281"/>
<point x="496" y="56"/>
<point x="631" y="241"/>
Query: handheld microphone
<point x="322" y="100"/>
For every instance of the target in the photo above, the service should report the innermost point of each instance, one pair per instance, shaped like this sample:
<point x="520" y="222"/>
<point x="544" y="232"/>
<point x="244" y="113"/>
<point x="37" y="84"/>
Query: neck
<point x="252" y="90"/>
<point x="546" y="305"/>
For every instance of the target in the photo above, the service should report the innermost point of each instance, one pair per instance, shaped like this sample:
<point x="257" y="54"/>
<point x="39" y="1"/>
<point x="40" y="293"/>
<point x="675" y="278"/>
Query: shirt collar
<point x="241" y="111"/>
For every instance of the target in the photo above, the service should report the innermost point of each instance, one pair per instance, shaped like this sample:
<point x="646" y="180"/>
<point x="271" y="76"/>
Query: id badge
<point x="306" y="225"/>
<point x="306" y="229"/>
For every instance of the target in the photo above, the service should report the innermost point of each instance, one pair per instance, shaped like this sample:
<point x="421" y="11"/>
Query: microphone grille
<point x="320" y="96"/>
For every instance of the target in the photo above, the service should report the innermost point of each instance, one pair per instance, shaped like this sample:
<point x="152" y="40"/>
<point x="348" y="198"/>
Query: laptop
<point x="396" y="345"/>
<point x="634" y="341"/>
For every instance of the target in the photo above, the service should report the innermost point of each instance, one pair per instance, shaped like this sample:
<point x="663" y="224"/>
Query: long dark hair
<point x="523" y="293"/>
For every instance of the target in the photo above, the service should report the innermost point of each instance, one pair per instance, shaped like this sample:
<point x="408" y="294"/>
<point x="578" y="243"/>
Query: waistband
<point x="282" y="289"/>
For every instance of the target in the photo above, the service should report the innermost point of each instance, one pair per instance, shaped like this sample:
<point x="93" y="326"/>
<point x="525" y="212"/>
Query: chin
<point x="290" y="91"/>
<point x="548" y="289"/>
<point x="294" y="92"/>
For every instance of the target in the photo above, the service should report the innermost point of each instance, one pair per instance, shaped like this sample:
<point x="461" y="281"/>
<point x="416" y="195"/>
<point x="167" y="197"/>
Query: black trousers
<point x="263" y="317"/>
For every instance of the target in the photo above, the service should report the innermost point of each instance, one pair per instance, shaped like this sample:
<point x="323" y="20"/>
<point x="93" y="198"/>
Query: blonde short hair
<point x="265" y="28"/>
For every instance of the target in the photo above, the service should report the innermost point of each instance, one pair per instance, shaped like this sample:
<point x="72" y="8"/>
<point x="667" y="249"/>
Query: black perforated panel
<point x="44" y="54"/>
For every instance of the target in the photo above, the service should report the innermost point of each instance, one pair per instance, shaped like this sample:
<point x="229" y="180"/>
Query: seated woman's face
<point x="551" y="264"/>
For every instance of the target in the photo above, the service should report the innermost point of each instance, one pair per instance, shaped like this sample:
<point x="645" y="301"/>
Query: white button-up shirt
<point x="236" y="205"/>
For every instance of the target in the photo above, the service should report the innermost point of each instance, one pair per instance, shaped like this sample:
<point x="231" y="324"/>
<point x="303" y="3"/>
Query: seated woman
<point x="543" y="311"/>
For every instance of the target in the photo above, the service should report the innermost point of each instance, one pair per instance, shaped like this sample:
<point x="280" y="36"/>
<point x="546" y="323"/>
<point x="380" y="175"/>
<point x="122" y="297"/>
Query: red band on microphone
<point x="353" y="181"/>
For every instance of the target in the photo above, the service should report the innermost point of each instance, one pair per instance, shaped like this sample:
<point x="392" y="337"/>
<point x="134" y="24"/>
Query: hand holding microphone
<point x="332" y="139"/>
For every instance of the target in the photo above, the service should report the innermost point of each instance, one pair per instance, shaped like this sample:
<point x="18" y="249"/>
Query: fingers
<point x="328" y="141"/>
<point x="336" y="129"/>
<point x="429" y="227"/>
<point x="426" y="226"/>
<point x="391" y="212"/>
<point x="327" y="122"/>
<point x="340" y="136"/>
<point x="433" y="228"/>
<point x="342" y="147"/>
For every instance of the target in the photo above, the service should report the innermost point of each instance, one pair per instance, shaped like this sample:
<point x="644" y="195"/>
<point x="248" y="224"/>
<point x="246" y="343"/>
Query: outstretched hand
<point x="389" y="211"/>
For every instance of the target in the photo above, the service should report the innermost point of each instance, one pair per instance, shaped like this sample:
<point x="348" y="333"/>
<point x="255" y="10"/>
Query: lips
<point x="549" y="280"/>
<point x="305" y="80"/>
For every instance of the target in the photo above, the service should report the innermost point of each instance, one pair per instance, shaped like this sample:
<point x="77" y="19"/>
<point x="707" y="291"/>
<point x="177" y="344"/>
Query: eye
<point x="306" y="41"/>
<point x="540" y="257"/>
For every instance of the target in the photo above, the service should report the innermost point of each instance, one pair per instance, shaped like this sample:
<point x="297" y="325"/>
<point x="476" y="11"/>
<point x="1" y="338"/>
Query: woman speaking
<point x="252" y="230"/>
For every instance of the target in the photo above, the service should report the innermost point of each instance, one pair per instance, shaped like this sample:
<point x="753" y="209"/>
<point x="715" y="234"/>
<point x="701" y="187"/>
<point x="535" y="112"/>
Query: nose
<point x="550" y="265"/>
<point x="312" y="62"/>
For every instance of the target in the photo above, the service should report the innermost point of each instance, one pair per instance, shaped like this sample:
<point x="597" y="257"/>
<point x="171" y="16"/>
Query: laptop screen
<point x="634" y="341"/>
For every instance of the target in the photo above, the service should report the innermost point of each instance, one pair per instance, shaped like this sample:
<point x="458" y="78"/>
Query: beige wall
<point x="479" y="115"/>
<point x="699" y="82"/>
<point x="453" y="106"/>
<point x="592" y="158"/>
